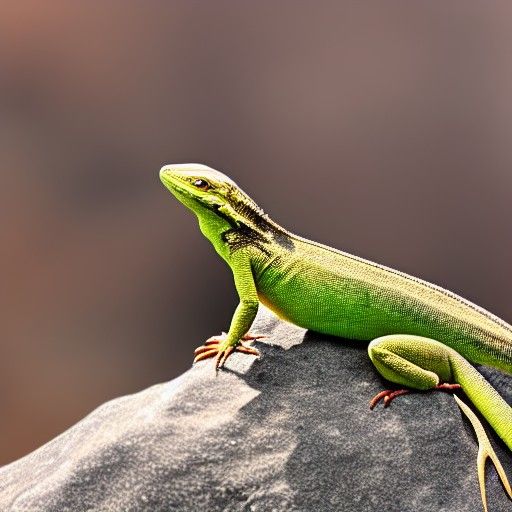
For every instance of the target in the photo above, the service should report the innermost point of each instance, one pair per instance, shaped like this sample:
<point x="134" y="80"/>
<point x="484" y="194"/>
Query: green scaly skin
<point x="422" y="335"/>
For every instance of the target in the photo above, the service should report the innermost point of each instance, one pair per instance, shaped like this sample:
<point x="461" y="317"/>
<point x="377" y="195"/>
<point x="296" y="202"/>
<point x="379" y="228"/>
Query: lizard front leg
<point x="221" y="347"/>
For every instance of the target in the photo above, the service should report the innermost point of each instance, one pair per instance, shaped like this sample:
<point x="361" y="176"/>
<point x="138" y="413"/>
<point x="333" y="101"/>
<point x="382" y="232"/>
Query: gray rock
<point x="289" y="432"/>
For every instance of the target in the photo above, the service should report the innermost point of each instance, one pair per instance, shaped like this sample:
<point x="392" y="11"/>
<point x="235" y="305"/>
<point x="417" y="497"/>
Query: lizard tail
<point x="485" y="398"/>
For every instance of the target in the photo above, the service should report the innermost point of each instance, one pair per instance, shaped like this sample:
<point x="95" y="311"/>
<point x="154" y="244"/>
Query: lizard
<point x="421" y="336"/>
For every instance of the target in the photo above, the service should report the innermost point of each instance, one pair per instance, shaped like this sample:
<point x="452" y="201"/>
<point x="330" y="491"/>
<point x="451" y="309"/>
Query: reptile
<point x="422" y="337"/>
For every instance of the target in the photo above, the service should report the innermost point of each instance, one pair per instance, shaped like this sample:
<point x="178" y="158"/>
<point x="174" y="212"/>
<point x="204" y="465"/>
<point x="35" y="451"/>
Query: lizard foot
<point x="389" y="395"/>
<point x="213" y="347"/>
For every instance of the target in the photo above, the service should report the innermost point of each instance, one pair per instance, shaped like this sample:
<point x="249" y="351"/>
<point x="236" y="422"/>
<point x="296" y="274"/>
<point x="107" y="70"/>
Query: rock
<point x="289" y="432"/>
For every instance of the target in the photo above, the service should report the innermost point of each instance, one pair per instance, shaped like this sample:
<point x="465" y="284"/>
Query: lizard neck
<point x="253" y="230"/>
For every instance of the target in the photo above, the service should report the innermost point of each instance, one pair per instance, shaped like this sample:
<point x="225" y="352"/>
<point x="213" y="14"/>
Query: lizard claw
<point x="389" y="395"/>
<point x="240" y="347"/>
<point x="213" y="348"/>
<point x="222" y="356"/>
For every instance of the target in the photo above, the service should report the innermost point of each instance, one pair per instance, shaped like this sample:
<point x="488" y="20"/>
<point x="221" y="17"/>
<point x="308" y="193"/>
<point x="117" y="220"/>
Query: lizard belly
<point x="355" y="309"/>
<point x="338" y="309"/>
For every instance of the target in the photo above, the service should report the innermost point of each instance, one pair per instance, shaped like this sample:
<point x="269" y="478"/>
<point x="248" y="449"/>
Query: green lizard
<point x="422" y="335"/>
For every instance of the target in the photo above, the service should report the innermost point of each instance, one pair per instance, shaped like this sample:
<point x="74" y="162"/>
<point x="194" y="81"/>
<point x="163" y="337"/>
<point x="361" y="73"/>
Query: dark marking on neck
<point x="244" y="236"/>
<point x="257" y="217"/>
<point x="216" y="209"/>
<point x="284" y="240"/>
<point x="257" y="230"/>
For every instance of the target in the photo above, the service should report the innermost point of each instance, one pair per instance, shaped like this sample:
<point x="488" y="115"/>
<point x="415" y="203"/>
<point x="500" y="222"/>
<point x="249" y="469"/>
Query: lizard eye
<point x="202" y="184"/>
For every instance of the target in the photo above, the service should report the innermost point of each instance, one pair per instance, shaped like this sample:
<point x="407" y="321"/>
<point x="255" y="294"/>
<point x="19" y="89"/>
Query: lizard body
<point x="422" y="336"/>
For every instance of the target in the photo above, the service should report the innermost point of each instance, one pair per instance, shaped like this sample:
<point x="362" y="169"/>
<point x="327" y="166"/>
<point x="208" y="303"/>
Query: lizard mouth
<point x="173" y="182"/>
<point x="180" y="188"/>
<point x="167" y="177"/>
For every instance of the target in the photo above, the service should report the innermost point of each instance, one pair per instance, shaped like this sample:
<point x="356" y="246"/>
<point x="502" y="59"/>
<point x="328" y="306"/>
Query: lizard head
<point x="207" y="191"/>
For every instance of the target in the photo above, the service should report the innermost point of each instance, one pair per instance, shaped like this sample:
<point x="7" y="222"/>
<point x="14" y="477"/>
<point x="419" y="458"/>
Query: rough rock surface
<point x="289" y="432"/>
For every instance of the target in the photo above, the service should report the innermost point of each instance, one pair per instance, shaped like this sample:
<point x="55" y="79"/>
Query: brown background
<point x="383" y="128"/>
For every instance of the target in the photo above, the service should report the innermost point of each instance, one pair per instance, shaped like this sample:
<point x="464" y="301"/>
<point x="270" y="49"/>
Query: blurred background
<point x="381" y="128"/>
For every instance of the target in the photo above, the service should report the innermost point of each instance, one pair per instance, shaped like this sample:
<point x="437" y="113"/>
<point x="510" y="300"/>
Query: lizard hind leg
<point x="413" y="362"/>
<point x="423" y="363"/>
<point x="409" y="361"/>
